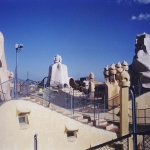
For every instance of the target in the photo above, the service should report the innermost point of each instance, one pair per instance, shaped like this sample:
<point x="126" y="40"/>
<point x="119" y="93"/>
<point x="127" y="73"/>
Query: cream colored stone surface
<point x="113" y="80"/>
<point x="124" y="98"/>
<point x="91" y="85"/>
<point x="141" y="60"/>
<point x="124" y="121"/>
<point x="4" y="74"/>
<point x="142" y="102"/>
<point x="112" y="87"/>
<point x="58" y="73"/>
<point x="50" y="127"/>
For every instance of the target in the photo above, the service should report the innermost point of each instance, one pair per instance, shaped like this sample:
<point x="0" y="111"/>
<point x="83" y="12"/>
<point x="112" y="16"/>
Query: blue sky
<point x="88" y="34"/>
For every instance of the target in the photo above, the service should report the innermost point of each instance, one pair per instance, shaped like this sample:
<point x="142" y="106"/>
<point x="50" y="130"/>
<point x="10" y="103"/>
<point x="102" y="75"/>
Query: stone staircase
<point x="88" y="112"/>
<point x="81" y="117"/>
<point x="86" y="118"/>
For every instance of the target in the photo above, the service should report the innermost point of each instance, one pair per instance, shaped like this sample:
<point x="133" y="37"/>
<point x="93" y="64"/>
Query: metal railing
<point x="96" y="109"/>
<point x="139" y="90"/>
<point x="7" y="90"/>
<point x="24" y="88"/>
<point x="122" y="143"/>
<point x="144" y="143"/>
<point x="76" y="104"/>
<point x="142" y="116"/>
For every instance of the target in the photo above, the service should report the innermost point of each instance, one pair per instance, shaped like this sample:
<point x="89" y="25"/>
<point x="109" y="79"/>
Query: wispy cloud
<point x="130" y="1"/>
<point x="126" y="1"/>
<point x="133" y="18"/>
<point x="144" y="1"/>
<point x="141" y="17"/>
<point x="118" y="1"/>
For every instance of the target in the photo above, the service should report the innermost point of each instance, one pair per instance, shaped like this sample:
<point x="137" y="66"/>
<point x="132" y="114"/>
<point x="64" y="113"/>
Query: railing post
<point x="2" y="91"/>
<point x="134" y="118"/>
<point x="35" y="142"/>
<point x="28" y="87"/>
<point x="143" y="143"/>
<point x="65" y="101"/>
<point x="113" y="109"/>
<point x="49" y="96"/>
<point x="139" y="87"/>
<point x="104" y="103"/>
<point x="124" y="98"/>
<point x="145" y="115"/>
<point x="94" y="109"/>
<point x="44" y="93"/>
<point x="12" y="90"/>
<point x="85" y="103"/>
<point x="16" y="83"/>
<point x="73" y="100"/>
<point x="98" y="114"/>
<point x="71" y="103"/>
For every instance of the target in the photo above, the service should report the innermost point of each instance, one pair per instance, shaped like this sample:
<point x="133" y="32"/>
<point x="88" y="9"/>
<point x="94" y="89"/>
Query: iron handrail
<point x="110" y="142"/>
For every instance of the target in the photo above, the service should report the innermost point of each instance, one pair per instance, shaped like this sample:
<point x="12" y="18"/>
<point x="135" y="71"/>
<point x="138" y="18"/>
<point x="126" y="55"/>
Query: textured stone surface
<point x="50" y="127"/>
<point x="58" y="73"/>
<point x="113" y="81"/>
<point x="4" y="74"/>
<point x="112" y="88"/>
<point x="143" y="108"/>
<point x="91" y="85"/>
<point x="124" y="98"/>
<point x="141" y="60"/>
